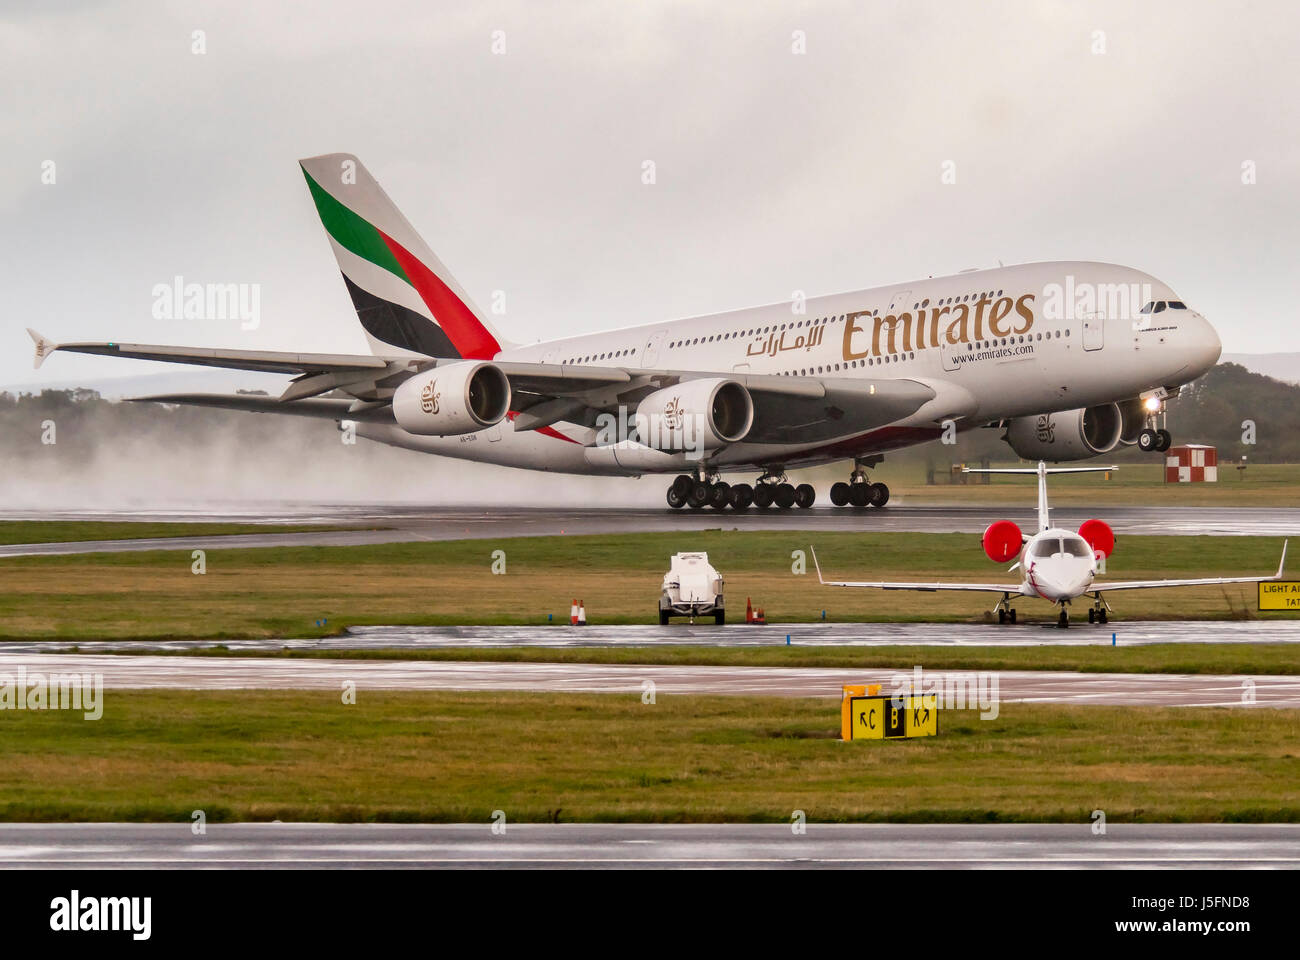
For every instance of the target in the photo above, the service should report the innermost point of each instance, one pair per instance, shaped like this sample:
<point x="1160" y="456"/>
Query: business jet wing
<point x="1201" y="582"/>
<point x="924" y="587"/>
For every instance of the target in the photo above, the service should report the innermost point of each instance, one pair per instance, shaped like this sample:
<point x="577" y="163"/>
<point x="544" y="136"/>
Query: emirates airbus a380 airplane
<point x="1071" y="359"/>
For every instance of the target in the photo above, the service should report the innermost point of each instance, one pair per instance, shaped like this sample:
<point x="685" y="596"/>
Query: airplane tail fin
<point x="404" y="296"/>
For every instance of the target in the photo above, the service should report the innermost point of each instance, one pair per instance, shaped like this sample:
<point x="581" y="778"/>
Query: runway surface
<point x="647" y="846"/>
<point x="1117" y="633"/>
<point x="1014" y="686"/>
<point x="405" y="524"/>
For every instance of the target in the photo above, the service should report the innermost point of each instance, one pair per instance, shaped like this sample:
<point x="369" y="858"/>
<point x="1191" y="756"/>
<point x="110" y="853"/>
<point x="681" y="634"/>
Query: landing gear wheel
<point x="742" y="495"/>
<point x="879" y="495"/>
<point x="859" y="494"/>
<point x="682" y="483"/>
<point x="804" y="496"/>
<point x="1092" y="615"/>
<point x="698" y="497"/>
<point x="719" y="495"/>
<point x="1102" y="615"/>
<point x="840" y="494"/>
<point x="784" y="496"/>
<point x="1002" y="615"/>
<point x="1148" y="440"/>
<point x="676" y="499"/>
<point x="1012" y="614"/>
<point x="1064" y="620"/>
<point x="763" y="496"/>
<point x="1163" y="440"/>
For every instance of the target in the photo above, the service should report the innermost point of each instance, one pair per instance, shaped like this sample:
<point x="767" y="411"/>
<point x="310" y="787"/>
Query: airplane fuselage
<point x="993" y="344"/>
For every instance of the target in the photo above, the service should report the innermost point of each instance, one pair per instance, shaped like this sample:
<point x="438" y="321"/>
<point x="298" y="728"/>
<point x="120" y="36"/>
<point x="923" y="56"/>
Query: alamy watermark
<point x="54" y="691"/>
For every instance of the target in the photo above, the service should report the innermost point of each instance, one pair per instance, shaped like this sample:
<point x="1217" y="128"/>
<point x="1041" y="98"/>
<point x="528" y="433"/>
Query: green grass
<point x="1207" y="658"/>
<point x="283" y="591"/>
<point x="452" y="757"/>
<point x="70" y="531"/>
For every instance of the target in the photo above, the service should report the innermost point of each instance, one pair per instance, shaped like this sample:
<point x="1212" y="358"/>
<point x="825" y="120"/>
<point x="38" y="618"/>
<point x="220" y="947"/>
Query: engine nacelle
<point x="1002" y="541"/>
<point x="1099" y="536"/>
<point x="1071" y="435"/>
<point x="453" y="399"/>
<point x="695" y="415"/>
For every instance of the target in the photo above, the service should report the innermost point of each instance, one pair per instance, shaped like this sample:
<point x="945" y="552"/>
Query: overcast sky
<point x="775" y="171"/>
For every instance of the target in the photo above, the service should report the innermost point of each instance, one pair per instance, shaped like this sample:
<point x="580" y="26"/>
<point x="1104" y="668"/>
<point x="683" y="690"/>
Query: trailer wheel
<point x="663" y="618"/>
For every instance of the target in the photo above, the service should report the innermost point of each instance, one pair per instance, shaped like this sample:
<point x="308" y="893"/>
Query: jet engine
<point x="449" y="400"/>
<point x="1071" y="435"/>
<point x="1002" y="541"/>
<point x="1099" y="536"/>
<point x="695" y="415"/>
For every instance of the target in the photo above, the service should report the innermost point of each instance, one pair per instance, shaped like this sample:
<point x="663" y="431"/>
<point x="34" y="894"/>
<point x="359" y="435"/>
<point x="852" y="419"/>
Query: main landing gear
<point x="707" y="490"/>
<point x="1099" y="611"/>
<point x="859" y="491"/>
<point x="1004" y="610"/>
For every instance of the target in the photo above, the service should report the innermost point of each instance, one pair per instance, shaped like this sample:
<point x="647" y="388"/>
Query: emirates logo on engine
<point x="429" y="397"/>
<point x="673" y="414"/>
<point x="1046" y="429"/>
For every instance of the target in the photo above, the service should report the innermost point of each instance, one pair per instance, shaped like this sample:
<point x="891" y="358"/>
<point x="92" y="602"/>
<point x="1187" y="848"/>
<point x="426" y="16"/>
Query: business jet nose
<point x="1202" y="344"/>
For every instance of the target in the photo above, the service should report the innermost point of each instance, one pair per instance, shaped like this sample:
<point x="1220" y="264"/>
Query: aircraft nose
<point x="1203" y="344"/>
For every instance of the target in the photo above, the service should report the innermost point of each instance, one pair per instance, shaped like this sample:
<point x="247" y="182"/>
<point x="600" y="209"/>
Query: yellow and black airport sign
<point x="884" y="718"/>
<point x="1279" y="595"/>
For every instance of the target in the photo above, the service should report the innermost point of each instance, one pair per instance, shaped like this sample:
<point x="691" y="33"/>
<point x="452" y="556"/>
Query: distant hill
<point x="1280" y="366"/>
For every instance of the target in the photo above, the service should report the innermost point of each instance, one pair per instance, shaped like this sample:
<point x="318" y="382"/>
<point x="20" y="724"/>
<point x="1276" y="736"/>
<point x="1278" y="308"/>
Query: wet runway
<point x="650" y="846"/>
<point x="1115" y="633"/>
<point x="1014" y="686"/>
<point x="405" y="524"/>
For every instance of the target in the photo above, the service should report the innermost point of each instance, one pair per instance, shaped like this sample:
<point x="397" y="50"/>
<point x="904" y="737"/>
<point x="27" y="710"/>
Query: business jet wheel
<point x="1064" y="620"/>
<point x="1002" y="616"/>
<point x="840" y="493"/>
<point x="879" y="494"/>
<point x="1012" y="614"/>
<point x="720" y="495"/>
<point x="1092" y="615"/>
<point x="804" y="496"/>
<point x="1148" y="440"/>
<point x="1163" y="440"/>
<point x="763" y="496"/>
<point x="859" y="494"/>
<point x="676" y="499"/>
<point x="1102" y="615"/>
<point x="742" y="495"/>
<point x="698" y="497"/>
<point x="784" y="496"/>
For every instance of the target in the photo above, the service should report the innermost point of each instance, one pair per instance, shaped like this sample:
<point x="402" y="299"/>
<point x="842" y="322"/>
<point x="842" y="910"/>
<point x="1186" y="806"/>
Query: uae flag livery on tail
<point x="406" y="299"/>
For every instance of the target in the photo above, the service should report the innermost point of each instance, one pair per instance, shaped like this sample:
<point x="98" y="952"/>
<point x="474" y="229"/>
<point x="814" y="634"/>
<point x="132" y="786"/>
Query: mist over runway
<point x="404" y="523"/>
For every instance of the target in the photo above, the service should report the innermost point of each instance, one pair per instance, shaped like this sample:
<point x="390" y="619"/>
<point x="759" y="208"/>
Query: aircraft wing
<point x="924" y="587"/>
<point x="786" y="409"/>
<point x="1202" y="582"/>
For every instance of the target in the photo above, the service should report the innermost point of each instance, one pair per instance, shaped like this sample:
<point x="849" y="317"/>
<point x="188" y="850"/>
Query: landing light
<point x="1152" y="404"/>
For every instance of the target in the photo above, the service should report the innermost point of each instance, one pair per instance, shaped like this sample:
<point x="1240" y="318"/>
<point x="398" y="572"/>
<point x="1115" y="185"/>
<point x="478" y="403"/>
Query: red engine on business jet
<point x="1002" y="541"/>
<point x="1099" y="536"/>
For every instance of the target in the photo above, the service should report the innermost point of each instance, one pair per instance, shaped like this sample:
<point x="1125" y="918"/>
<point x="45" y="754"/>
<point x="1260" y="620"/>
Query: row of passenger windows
<point x="1005" y="341"/>
<point x="611" y="355"/>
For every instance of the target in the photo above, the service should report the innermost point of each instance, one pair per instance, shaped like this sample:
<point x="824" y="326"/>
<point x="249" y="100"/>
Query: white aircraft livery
<point x="1071" y="359"/>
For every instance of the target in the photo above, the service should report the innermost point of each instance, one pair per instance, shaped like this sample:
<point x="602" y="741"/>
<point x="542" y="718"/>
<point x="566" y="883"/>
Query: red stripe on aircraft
<point x="457" y="320"/>
<point x="544" y="431"/>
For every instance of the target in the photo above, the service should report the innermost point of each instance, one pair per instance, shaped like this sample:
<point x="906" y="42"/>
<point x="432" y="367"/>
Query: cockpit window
<point x="1147" y="308"/>
<point x="1077" y="547"/>
<point x="1177" y="305"/>
<point x="1160" y="306"/>
<point x="1046" y="548"/>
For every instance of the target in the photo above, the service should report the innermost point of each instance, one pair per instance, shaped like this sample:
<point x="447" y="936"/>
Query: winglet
<point x="44" y="347"/>
<point x="817" y="565"/>
<point x="1282" y="562"/>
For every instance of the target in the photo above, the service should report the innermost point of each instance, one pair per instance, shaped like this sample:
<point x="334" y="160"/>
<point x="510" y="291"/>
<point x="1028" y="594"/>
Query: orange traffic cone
<point x="749" y="610"/>
<point x="582" y="614"/>
<point x="760" y="617"/>
<point x="573" y="613"/>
